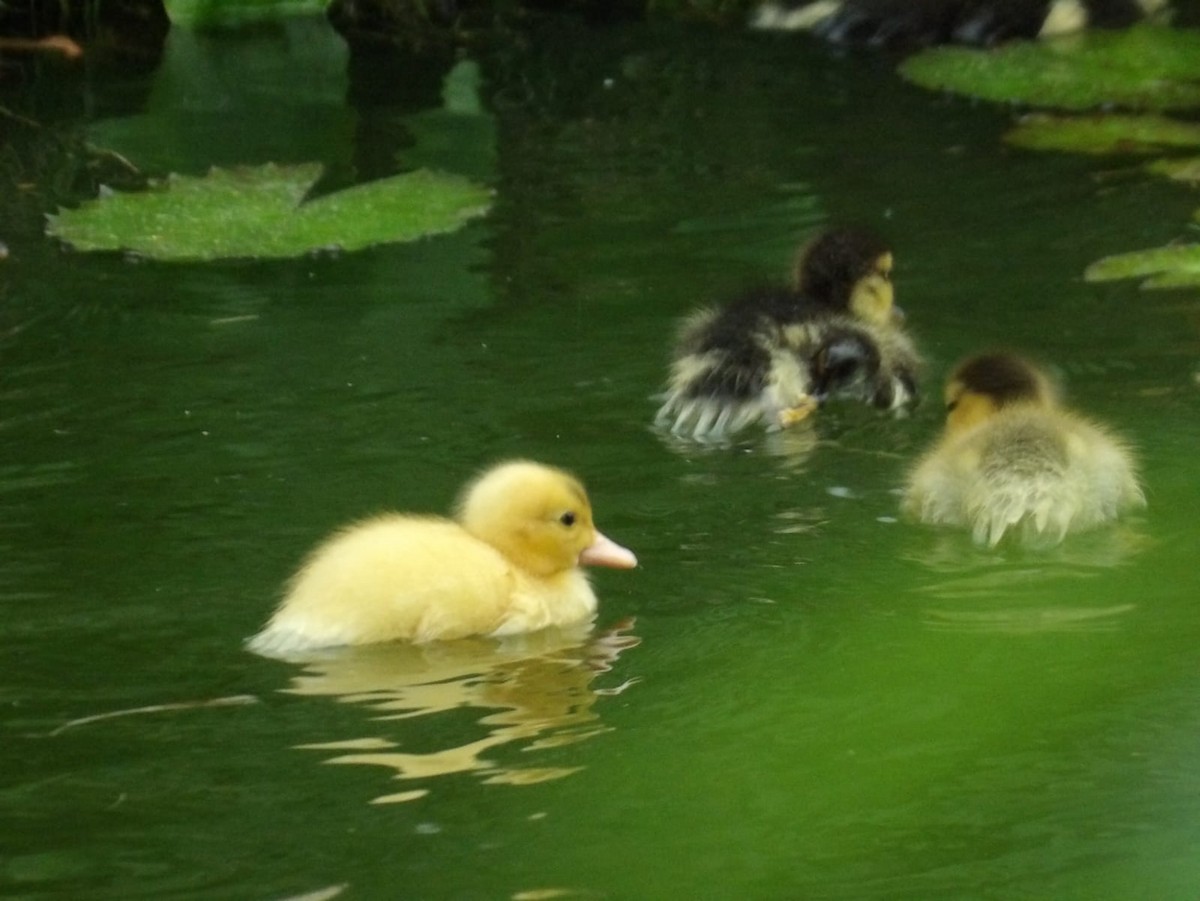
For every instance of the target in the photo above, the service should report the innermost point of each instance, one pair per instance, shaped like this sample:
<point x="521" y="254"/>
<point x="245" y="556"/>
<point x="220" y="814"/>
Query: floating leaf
<point x="1178" y="279"/>
<point x="1173" y="266"/>
<point x="1148" y="67"/>
<point x="1101" y="134"/>
<point x="1185" y="170"/>
<point x="260" y="212"/>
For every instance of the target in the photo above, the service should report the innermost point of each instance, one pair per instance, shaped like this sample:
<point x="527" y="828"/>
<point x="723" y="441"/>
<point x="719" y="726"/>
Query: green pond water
<point x="795" y="696"/>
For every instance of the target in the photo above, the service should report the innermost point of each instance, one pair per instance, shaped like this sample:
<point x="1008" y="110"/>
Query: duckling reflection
<point x="1018" y="590"/>
<point x="537" y="692"/>
<point x="772" y="355"/>
<point x="1033" y="620"/>
<point x="792" y="447"/>
<point x="1020" y="599"/>
<point x="1012" y="461"/>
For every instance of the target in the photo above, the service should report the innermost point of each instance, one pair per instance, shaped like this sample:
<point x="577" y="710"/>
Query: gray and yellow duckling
<point x="1013" y="462"/>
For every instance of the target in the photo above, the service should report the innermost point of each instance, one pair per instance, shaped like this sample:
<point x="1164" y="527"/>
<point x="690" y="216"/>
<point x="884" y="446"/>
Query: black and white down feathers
<point x="980" y="22"/>
<point x="771" y="356"/>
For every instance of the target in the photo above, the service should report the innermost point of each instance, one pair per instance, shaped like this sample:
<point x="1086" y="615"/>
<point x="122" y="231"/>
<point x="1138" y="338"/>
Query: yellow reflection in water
<point x="538" y="689"/>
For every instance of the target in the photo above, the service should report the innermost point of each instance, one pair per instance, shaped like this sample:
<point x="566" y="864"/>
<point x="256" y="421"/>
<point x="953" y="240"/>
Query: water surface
<point x="795" y="695"/>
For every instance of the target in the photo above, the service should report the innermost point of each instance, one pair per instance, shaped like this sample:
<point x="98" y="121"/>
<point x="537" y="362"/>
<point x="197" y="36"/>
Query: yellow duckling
<point x="1012" y="461"/>
<point x="774" y="354"/>
<point x="508" y="563"/>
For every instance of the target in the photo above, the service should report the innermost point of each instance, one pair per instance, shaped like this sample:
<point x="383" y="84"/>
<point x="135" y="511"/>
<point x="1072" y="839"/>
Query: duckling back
<point x="1037" y="473"/>
<point x="732" y="367"/>
<point x="388" y="578"/>
<point x="773" y="354"/>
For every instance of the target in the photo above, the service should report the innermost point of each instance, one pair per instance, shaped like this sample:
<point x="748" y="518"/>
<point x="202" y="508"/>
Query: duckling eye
<point x="567" y="519"/>
<point x="951" y="405"/>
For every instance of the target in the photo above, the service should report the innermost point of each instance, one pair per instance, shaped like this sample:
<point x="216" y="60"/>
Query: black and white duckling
<point x="772" y="355"/>
<point x="981" y="22"/>
<point x="1013" y="462"/>
<point x="509" y="562"/>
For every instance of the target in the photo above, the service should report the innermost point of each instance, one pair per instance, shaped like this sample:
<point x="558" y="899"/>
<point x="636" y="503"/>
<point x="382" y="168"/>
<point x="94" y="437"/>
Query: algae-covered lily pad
<point x="1147" y="68"/>
<point x="1173" y="266"/>
<point x="1103" y="134"/>
<point x="1185" y="170"/>
<point x="260" y="212"/>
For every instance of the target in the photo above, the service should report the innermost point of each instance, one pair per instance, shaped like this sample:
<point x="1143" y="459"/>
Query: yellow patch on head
<point x="885" y="264"/>
<point x="873" y="297"/>
<point x="985" y="383"/>
<point x="966" y="409"/>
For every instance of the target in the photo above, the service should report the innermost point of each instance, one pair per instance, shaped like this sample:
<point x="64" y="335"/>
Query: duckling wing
<point x="735" y="367"/>
<point x="936" y="487"/>
<point x="390" y="578"/>
<point x="1107" y="464"/>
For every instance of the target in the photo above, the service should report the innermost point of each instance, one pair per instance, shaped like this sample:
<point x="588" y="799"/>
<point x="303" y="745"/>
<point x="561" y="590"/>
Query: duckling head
<point x="540" y="518"/>
<point x="984" y="384"/>
<point x="849" y="270"/>
<point x="845" y="365"/>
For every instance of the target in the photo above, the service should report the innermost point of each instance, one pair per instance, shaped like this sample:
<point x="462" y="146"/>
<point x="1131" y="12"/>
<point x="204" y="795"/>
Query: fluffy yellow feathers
<point x="509" y="562"/>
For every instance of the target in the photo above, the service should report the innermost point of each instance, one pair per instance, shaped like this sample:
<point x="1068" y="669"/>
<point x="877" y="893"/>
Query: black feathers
<point x="739" y="337"/>
<point x="829" y="266"/>
<point x="845" y="365"/>
<point x="771" y="355"/>
<point x="1001" y="376"/>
